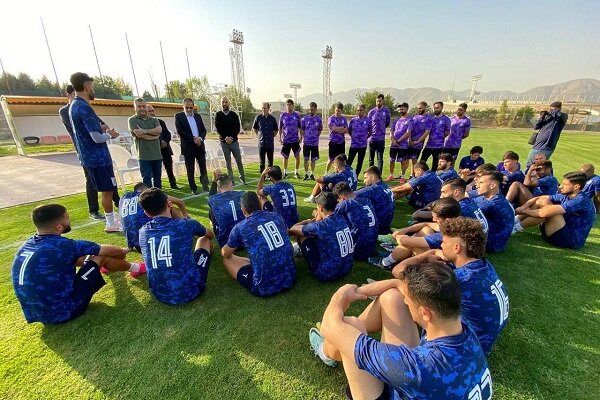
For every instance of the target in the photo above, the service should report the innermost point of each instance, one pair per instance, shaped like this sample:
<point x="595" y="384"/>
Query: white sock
<point x="134" y="267"/>
<point x="518" y="227"/>
<point x="311" y="197"/>
<point x="311" y="173"/>
<point x="285" y="171"/>
<point x="296" y="171"/>
<point x="110" y="218"/>
<point x="389" y="260"/>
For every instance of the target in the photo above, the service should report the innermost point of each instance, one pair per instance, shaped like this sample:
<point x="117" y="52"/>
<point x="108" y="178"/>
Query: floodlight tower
<point x="295" y="86"/>
<point x="327" y="55"/>
<point x="237" y="60"/>
<point x="474" y="80"/>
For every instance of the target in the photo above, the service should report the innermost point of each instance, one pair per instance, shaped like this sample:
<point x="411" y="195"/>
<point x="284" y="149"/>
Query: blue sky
<point x="515" y="44"/>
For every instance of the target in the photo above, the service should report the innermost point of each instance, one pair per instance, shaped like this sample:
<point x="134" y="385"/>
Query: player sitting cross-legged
<point x="343" y="173"/>
<point x="283" y="195"/>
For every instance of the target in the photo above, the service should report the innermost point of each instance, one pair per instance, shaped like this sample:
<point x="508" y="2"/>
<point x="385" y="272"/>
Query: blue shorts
<point x="87" y="282"/>
<point x="561" y="238"/>
<point x="103" y="178"/>
<point x="202" y="260"/>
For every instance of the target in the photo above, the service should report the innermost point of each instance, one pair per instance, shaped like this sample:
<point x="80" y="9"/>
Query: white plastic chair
<point x="218" y="158"/>
<point x="121" y="159"/>
<point x="125" y="140"/>
<point x="178" y="160"/>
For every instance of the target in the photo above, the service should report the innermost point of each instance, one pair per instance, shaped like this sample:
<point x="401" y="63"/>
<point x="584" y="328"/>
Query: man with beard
<point x="146" y="132"/>
<point x="311" y="127"/>
<point x="165" y="148"/>
<point x="460" y="127"/>
<point x="380" y="119"/>
<point x="265" y="127"/>
<point x="289" y="125"/>
<point x="399" y="133"/>
<point x="440" y="129"/>
<point x="228" y="126"/>
<point x="422" y="123"/>
<point x="359" y="129"/>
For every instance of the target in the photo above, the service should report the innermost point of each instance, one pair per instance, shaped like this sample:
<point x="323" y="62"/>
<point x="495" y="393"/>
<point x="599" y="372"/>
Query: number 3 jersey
<point x="173" y="275"/>
<point x="225" y="212"/>
<point x="264" y="235"/>
<point x="283" y="197"/>
<point x="132" y="218"/>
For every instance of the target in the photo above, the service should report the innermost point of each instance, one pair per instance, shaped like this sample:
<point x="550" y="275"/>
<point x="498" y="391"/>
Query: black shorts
<point x="311" y="152"/>
<point x="310" y="252"/>
<point x="397" y="155"/>
<point x="285" y="150"/>
<point x="245" y="277"/>
<point x="335" y="149"/>
<point x="87" y="282"/>
<point x="413" y="153"/>
<point x="103" y="178"/>
<point x="561" y="238"/>
<point x="453" y="152"/>
<point x="202" y="260"/>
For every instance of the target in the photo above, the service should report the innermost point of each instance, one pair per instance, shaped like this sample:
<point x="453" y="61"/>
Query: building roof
<point x="96" y="102"/>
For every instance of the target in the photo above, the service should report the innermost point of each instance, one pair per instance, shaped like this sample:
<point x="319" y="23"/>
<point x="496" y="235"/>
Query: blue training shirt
<point x="516" y="176"/>
<point x="84" y="120"/>
<point x="173" y="275"/>
<point x="382" y="198"/>
<point x="469" y="209"/>
<point x="132" y="218"/>
<point x="449" y="174"/>
<point x="335" y="244"/>
<point x="579" y="217"/>
<point x="426" y="188"/>
<point x="592" y="186"/>
<point x="347" y="175"/>
<point x="500" y="217"/>
<point x="360" y="217"/>
<point x="43" y="273"/>
<point x="226" y="211"/>
<point x="283" y="196"/>
<point x="451" y="367"/>
<point x="264" y="235"/>
<point x="546" y="185"/>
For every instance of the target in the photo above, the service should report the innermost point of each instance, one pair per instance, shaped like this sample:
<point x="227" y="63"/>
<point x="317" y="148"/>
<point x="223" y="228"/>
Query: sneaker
<point x="383" y="253"/>
<point x="316" y="344"/>
<point x="389" y="247"/>
<point x="297" y="175"/>
<point x="194" y="192"/>
<point x="113" y="228"/>
<point x="402" y="180"/>
<point x="377" y="262"/>
<point x="386" y="239"/>
<point x="305" y="177"/>
<point x="96" y="215"/>
<point x="140" y="272"/>
<point x="389" y="178"/>
<point x="309" y="199"/>
<point x="243" y="180"/>
<point x="103" y="270"/>
<point x="285" y="176"/>
<point x="312" y="177"/>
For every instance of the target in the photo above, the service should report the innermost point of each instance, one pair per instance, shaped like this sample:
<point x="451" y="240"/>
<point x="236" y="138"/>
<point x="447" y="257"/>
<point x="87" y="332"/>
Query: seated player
<point x="469" y="163"/>
<point x="592" y="186"/>
<point x="343" y="173"/>
<point x="565" y="219"/>
<point x="420" y="237"/>
<point x="484" y="301"/>
<point x="381" y="197"/>
<point x="224" y="207"/>
<point x="447" y="363"/>
<point x="176" y="275"/>
<point x="325" y="241"/>
<point x="444" y="167"/>
<point x="44" y="277"/>
<point x="399" y="134"/>
<point x="360" y="216"/>
<point x="500" y="165"/>
<point x="538" y="160"/>
<point x="472" y="187"/>
<point x="511" y="171"/>
<point x="133" y="217"/>
<point x="538" y="181"/>
<point x="498" y="212"/>
<point x="282" y="194"/>
<point x="423" y="188"/>
<point x="270" y="267"/>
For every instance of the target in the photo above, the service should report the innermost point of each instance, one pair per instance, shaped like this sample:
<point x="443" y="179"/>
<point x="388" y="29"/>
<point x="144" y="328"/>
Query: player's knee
<point x="391" y="299"/>
<point x="356" y="323"/>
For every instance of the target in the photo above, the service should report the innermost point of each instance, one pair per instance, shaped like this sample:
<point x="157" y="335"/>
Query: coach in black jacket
<point x="192" y="132"/>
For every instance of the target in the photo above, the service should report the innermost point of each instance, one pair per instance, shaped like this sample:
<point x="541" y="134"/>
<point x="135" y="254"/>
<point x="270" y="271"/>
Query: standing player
<point x="440" y="129"/>
<point x="91" y="145"/>
<point x="511" y="171"/>
<point x="43" y="272"/>
<point x="423" y="188"/>
<point x="175" y="274"/>
<point x="460" y="127"/>
<point x="538" y="181"/>
<point x="444" y="167"/>
<point x="399" y="134"/>
<point x="224" y="207"/>
<point x="360" y="216"/>
<point x="380" y="119"/>
<point x="311" y="127"/>
<point x="566" y="218"/>
<point x="343" y="173"/>
<point x="270" y="268"/>
<point x="422" y="123"/>
<point x="497" y="210"/>
<point x="359" y="129"/>
<point x="289" y="125"/>
<point x="326" y="241"/>
<point x="338" y="128"/>
<point x="381" y="197"/>
<point x="265" y="127"/>
<point x="282" y="194"/>
<point x="592" y="186"/>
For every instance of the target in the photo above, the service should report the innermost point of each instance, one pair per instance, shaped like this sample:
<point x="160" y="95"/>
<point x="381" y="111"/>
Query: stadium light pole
<point x="137" y="91"/>
<point x="295" y="86"/>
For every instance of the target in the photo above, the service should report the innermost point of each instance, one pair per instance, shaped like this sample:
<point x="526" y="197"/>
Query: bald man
<point x="228" y="127"/>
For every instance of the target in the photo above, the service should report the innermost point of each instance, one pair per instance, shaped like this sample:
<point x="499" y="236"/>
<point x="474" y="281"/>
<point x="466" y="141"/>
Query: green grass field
<point x="228" y="344"/>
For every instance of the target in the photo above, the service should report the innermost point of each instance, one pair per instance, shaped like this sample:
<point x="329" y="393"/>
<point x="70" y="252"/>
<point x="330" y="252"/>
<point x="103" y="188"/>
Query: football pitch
<point x="228" y="344"/>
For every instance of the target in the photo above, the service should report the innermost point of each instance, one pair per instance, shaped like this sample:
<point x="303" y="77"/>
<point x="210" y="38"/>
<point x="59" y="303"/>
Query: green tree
<point x="502" y="116"/>
<point x="525" y="114"/>
<point x="110" y="85"/>
<point x="147" y="96"/>
<point x="198" y="87"/>
<point x="298" y="107"/>
<point x="368" y="99"/>
<point x="247" y="108"/>
<point x="45" y="83"/>
<point x="24" y="82"/>
<point x="176" y="90"/>
<point x="8" y="82"/>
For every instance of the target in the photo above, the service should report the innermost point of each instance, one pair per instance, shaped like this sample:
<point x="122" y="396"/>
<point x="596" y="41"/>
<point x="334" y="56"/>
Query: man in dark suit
<point x="165" y="148"/>
<point x="192" y="132"/>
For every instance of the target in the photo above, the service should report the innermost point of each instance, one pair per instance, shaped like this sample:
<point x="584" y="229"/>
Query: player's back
<point x="132" y="218"/>
<point x="43" y="273"/>
<point x="547" y="185"/>
<point x="381" y="197"/>
<point x="500" y="217"/>
<point x="484" y="301"/>
<point x="225" y="212"/>
<point x="579" y="217"/>
<point x="426" y="188"/>
<point x="351" y="178"/>
<point x="264" y="235"/>
<point x="592" y="186"/>
<point x="283" y="196"/>
<point x="470" y="209"/>
<point x="360" y="216"/>
<point x="83" y="121"/>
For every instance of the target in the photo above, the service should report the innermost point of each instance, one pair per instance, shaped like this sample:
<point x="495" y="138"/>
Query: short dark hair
<point x="496" y="175"/>
<point x="422" y="165"/>
<point x="223" y="181"/>
<point x="423" y="103"/>
<point x="404" y="105"/>
<point x="434" y="286"/>
<point x="188" y="100"/>
<point x="153" y="201"/>
<point x="547" y="165"/>
<point x="275" y="172"/>
<point x="446" y="156"/>
<point x="511" y="155"/>
<point x="312" y="104"/>
<point x="463" y="105"/>
<point x="576" y="178"/>
<point x="380" y="96"/>
<point x="441" y="103"/>
<point x="374" y="170"/>
<point x="341" y="188"/>
<point x="485" y="167"/>
<point x="78" y="80"/>
<point x="327" y="200"/>
<point x="47" y="215"/>
<point x="470" y="231"/>
<point x="340" y="159"/>
<point x="446" y="207"/>
<point x="250" y="202"/>
<point x="140" y="187"/>
<point x="456" y="183"/>
<point x="556" y="104"/>
<point x="339" y="106"/>
<point x="289" y="101"/>
<point x="69" y="89"/>
<point x="476" y="149"/>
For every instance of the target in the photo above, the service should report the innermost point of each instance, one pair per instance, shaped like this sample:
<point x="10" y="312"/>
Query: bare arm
<point x="227" y="251"/>
<point x="112" y="251"/>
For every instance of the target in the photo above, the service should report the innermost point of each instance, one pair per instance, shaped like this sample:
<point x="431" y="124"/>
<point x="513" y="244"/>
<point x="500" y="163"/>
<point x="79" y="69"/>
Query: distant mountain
<point x="584" y="88"/>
